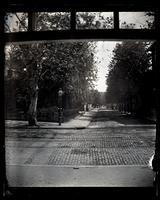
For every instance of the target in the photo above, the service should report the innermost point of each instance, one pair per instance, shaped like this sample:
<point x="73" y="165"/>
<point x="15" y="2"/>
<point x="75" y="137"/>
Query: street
<point x="110" y="139"/>
<point x="112" y="150"/>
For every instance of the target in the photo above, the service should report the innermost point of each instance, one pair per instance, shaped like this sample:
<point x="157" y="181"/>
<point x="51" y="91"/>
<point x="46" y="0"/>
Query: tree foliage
<point x="54" y="65"/>
<point x="94" y="20"/>
<point x="40" y="69"/>
<point x="129" y="73"/>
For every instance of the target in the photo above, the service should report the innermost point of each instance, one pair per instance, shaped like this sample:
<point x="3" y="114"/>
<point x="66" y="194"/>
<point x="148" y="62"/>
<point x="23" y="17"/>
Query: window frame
<point x="108" y="34"/>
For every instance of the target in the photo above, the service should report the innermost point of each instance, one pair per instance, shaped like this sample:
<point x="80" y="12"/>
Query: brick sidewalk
<point x="108" y="155"/>
<point x="89" y="147"/>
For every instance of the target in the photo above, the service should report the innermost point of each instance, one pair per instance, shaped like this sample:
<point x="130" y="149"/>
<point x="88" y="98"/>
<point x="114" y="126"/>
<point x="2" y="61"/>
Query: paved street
<point x="99" y="148"/>
<point x="109" y="139"/>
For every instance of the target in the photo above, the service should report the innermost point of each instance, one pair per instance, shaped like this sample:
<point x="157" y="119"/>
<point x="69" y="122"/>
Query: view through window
<point x="77" y="103"/>
<point x="81" y="103"/>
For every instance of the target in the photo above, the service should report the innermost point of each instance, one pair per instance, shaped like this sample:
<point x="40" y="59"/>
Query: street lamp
<point x="60" y="94"/>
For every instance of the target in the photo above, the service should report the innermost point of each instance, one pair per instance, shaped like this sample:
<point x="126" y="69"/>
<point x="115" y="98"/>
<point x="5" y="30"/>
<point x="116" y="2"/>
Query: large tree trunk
<point x="32" y="113"/>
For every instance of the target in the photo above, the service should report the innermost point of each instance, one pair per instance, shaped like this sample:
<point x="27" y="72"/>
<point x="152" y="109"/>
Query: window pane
<point x="94" y="20"/>
<point x="52" y="21"/>
<point x="136" y="20"/>
<point x="16" y="22"/>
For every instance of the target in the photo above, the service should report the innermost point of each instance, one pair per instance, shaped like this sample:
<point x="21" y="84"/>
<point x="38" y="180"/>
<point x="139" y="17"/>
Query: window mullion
<point x="116" y="20"/>
<point x="73" y="20"/>
<point x="31" y="21"/>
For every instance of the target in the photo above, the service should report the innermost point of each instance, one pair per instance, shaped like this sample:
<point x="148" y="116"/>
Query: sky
<point x="103" y="57"/>
<point x="138" y="18"/>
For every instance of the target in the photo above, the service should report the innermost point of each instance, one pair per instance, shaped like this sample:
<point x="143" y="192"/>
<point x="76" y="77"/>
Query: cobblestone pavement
<point x="112" y="145"/>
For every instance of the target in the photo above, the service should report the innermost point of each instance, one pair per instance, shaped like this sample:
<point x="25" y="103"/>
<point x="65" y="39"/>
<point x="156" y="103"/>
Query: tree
<point x="94" y="20"/>
<point x="48" y="66"/>
<point x="127" y="71"/>
<point x="44" y="67"/>
<point x="41" y="66"/>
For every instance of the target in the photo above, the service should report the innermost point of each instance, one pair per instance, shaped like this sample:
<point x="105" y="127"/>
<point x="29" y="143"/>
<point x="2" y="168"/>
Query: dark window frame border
<point x="115" y="34"/>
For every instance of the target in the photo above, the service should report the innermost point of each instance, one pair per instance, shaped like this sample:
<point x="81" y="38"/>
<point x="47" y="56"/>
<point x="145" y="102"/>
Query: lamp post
<point x="60" y="94"/>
